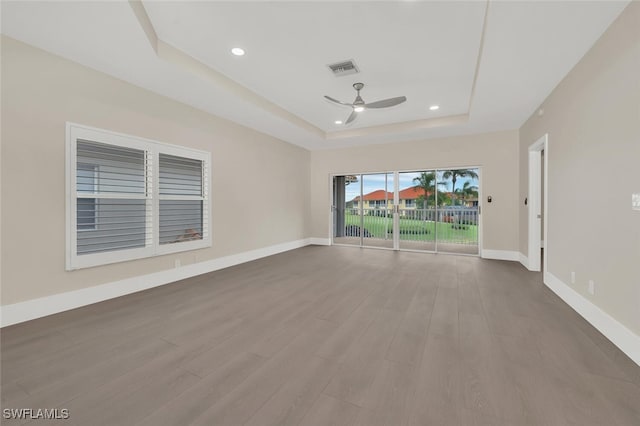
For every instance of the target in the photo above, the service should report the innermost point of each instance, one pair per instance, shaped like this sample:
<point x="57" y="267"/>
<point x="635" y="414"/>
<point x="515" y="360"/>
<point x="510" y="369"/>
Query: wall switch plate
<point x="592" y="287"/>
<point x="635" y="201"/>
<point x="573" y="277"/>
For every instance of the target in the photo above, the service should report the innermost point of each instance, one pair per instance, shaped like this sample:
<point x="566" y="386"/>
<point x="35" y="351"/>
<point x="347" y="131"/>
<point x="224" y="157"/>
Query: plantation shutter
<point x="113" y="203"/>
<point x="182" y="199"/>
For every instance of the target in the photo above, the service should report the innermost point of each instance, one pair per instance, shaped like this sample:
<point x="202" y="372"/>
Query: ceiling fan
<point x="359" y="105"/>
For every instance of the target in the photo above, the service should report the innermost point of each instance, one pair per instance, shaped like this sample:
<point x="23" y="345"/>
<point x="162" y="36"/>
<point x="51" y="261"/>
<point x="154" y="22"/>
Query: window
<point x="132" y="198"/>
<point x="181" y="198"/>
<point x="86" y="207"/>
<point x="409" y="203"/>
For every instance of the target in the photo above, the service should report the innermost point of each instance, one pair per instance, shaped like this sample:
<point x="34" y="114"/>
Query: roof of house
<point x="411" y="193"/>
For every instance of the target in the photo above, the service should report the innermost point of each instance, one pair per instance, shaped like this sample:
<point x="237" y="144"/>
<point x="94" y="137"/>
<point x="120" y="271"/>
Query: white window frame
<point x="152" y="248"/>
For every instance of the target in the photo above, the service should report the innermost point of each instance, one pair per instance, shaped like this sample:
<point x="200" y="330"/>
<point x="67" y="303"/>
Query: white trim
<point x="534" y="196"/>
<point x="480" y="216"/>
<point x="501" y="255"/>
<point x="534" y="211"/>
<point x="44" y="306"/>
<point x="332" y="208"/>
<point x="524" y="260"/>
<point x="626" y="340"/>
<point x="320" y="241"/>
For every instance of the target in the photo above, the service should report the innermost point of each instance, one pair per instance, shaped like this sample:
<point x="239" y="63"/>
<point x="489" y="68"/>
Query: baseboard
<point x="627" y="341"/>
<point x="500" y="255"/>
<point x="320" y="241"/>
<point x="524" y="260"/>
<point x="44" y="306"/>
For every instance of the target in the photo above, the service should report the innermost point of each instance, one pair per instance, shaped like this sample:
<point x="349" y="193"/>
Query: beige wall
<point x="260" y="185"/>
<point x="495" y="153"/>
<point x="593" y="122"/>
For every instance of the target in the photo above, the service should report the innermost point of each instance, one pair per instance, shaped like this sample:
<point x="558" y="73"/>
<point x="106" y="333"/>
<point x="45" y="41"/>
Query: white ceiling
<point x="486" y="72"/>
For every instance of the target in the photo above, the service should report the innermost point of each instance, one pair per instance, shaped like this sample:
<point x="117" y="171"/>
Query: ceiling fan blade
<point x="351" y="117"/>
<point x="329" y="98"/>
<point x="386" y="102"/>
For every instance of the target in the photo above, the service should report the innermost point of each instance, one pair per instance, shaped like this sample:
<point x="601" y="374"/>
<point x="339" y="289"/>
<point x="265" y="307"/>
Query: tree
<point x="454" y="174"/>
<point x="467" y="191"/>
<point x="350" y="179"/>
<point x="443" y="198"/>
<point x="426" y="181"/>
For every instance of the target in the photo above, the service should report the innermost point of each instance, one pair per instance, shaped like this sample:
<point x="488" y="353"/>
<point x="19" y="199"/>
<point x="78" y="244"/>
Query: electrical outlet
<point x="635" y="201"/>
<point x="573" y="277"/>
<point x="178" y="263"/>
<point x="592" y="287"/>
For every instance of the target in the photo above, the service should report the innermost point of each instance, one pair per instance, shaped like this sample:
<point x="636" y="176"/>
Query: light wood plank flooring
<point x="327" y="336"/>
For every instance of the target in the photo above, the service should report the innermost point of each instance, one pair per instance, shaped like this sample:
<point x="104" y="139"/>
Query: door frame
<point x="535" y="199"/>
<point x="395" y="202"/>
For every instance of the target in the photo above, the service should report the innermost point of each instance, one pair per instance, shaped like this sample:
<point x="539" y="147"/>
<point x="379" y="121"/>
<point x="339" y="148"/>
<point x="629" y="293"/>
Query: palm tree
<point x="426" y="181"/>
<point x="467" y="190"/>
<point x="350" y="179"/>
<point x="454" y="174"/>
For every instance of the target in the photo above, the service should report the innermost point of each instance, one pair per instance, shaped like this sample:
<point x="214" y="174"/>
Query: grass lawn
<point x="416" y="230"/>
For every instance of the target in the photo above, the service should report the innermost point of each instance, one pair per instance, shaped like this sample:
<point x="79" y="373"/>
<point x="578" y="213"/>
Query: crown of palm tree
<point x="454" y="174"/>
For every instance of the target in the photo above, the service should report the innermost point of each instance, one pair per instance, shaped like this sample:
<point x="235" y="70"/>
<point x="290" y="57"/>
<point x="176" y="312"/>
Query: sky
<point x="372" y="182"/>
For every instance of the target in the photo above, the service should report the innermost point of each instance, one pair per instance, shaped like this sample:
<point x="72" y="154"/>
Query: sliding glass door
<point x="347" y="217"/>
<point x="377" y="210"/>
<point x="416" y="210"/>
<point x="457" y="211"/>
<point x="363" y="210"/>
<point x="427" y="210"/>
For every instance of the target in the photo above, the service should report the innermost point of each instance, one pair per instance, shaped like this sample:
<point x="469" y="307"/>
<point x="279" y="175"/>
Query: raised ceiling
<point x="488" y="65"/>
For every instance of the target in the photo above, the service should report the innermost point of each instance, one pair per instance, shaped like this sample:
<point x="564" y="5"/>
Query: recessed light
<point x="338" y="121"/>
<point x="358" y="109"/>
<point x="434" y="107"/>
<point x="237" y="51"/>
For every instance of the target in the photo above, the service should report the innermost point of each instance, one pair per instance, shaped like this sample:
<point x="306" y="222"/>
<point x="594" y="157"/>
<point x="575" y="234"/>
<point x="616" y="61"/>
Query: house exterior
<point x="381" y="199"/>
<point x="408" y="198"/>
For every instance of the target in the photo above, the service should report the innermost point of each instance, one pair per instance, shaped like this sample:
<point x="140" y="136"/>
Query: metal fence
<point x="451" y="224"/>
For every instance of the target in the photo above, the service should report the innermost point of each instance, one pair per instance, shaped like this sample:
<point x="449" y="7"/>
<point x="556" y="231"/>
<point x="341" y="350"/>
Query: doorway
<point x="432" y="210"/>
<point x="537" y="204"/>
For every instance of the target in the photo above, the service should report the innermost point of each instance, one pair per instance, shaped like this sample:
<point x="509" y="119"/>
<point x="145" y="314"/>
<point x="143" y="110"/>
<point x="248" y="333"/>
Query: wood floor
<point x="327" y="336"/>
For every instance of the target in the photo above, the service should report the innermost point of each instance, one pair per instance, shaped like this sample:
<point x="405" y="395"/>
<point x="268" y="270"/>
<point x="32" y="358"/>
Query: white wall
<point x="259" y="185"/>
<point x="593" y="122"/>
<point x="496" y="153"/>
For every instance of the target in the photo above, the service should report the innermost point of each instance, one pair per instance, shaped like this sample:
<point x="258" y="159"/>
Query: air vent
<point x="347" y="67"/>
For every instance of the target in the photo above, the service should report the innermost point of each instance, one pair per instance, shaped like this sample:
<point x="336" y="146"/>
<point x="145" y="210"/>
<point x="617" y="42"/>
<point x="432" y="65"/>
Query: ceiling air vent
<point x="344" y="68"/>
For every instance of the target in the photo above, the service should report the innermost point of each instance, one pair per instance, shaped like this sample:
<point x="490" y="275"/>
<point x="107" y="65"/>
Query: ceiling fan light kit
<point x="359" y="105"/>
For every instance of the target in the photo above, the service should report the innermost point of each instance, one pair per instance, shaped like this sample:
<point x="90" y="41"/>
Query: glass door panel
<point x="458" y="216"/>
<point x="416" y="210"/>
<point x="377" y="210"/>
<point x="346" y="209"/>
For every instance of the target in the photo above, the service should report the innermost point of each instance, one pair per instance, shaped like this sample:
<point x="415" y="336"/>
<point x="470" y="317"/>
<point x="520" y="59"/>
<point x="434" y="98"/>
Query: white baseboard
<point x="41" y="307"/>
<point x="627" y="341"/>
<point x="320" y="241"/>
<point x="500" y="255"/>
<point x="524" y="260"/>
